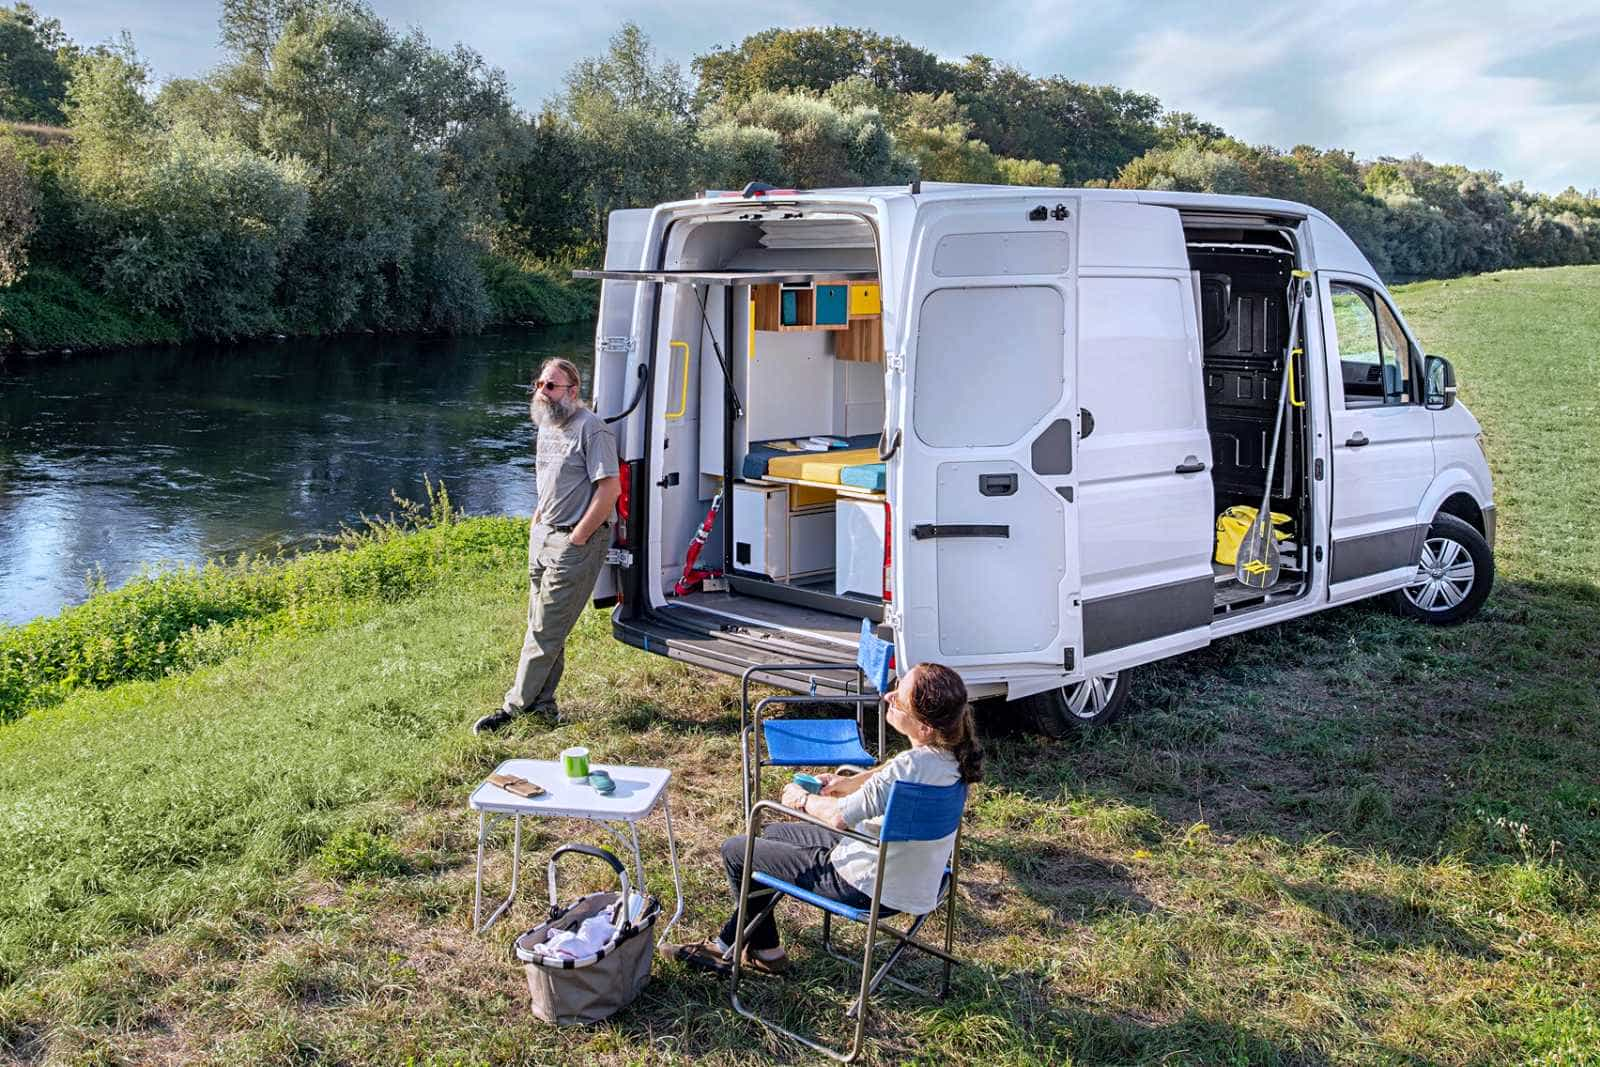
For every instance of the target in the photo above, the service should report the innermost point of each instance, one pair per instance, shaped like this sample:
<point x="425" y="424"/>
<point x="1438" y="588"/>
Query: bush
<point x="535" y="295"/>
<point x="51" y="309"/>
<point x="164" y="623"/>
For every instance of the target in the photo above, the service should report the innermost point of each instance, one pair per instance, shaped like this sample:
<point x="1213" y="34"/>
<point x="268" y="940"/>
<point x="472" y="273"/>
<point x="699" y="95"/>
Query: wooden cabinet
<point x="821" y="305"/>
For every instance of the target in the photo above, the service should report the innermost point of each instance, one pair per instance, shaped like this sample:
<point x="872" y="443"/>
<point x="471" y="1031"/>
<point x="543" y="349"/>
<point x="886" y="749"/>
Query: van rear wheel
<point x="1454" y="573"/>
<point x="1092" y="702"/>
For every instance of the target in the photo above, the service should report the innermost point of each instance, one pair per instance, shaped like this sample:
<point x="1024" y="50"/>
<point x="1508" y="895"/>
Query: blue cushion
<point x="868" y="476"/>
<point x="814" y="743"/>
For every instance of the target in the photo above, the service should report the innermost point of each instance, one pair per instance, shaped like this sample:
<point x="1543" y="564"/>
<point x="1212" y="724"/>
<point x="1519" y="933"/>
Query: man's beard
<point x="551" y="412"/>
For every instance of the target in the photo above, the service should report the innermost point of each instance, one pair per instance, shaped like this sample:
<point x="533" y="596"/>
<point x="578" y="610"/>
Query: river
<point x="113" y="462"/>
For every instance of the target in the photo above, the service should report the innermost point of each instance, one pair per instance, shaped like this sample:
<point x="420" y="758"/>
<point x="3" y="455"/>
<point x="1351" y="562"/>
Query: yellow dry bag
<point x="1234" y="523"/>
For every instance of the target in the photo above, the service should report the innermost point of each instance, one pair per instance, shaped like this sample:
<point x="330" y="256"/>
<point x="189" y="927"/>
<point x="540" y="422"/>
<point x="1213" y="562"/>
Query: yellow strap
<point x="1294" y="394"/>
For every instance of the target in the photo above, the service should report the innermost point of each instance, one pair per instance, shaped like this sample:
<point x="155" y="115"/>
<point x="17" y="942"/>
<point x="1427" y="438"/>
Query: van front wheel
<point x="1453" y="575"/>
<point x="1091" y="702"/>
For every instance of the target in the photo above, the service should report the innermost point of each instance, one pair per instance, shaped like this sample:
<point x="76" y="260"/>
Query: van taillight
<point x="888" y="557"/>
<point x="623" y="499"/>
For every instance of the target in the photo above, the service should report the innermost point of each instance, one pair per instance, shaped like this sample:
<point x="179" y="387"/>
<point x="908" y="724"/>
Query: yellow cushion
<point x="819" y="466"/>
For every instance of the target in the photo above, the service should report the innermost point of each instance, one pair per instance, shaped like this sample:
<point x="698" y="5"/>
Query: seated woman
<point x="929" y="706"/>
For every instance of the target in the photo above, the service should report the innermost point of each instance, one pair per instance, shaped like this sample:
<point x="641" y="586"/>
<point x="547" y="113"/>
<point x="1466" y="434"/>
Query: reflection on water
<point x="114" y="461"/>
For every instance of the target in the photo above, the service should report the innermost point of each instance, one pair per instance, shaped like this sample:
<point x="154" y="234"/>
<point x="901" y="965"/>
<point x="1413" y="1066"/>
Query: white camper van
<point x="1002" y="424"/>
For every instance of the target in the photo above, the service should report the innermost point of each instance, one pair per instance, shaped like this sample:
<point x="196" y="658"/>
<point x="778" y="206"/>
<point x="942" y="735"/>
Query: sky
<point x="1515" y="89"/>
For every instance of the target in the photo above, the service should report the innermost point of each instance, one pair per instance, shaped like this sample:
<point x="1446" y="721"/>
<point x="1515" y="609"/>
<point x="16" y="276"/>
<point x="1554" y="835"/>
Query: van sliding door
<point x="985" y="530"/>
<point x="1146" y="511"/>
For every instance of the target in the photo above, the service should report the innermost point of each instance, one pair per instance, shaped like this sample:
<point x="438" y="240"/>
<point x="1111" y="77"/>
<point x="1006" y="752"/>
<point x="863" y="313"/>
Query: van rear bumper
<point x="706" y="641"/>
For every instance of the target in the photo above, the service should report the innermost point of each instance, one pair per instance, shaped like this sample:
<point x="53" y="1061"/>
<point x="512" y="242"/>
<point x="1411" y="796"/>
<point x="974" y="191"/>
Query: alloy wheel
<point x="1444" y="577"/>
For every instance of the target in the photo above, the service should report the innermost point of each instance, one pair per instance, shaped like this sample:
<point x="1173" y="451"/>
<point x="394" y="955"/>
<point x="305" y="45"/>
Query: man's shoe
<point x="548" y="711"/>
<point x="495" y="720"/>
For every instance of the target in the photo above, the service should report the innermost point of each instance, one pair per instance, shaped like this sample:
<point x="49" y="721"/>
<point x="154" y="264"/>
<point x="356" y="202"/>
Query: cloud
<point x="1454" y="85"/>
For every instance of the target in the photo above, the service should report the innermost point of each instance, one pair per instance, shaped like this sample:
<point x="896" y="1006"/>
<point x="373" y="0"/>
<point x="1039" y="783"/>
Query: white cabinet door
<point x="1383" y="458"/>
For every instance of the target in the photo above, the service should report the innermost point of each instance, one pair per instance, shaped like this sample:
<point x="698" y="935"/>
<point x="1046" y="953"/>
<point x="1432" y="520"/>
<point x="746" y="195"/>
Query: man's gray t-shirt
<point x="569" y="458"/>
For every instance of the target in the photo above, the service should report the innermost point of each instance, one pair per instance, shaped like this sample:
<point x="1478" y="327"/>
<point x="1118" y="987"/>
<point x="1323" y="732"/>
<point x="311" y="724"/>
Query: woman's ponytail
<point x="939" y="700"/>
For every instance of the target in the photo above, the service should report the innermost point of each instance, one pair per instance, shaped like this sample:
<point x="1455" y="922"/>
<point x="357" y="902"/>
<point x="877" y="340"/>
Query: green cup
<point x="575" y="761"/>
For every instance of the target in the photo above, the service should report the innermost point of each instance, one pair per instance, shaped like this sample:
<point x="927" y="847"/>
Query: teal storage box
<point x="833" y="305"/>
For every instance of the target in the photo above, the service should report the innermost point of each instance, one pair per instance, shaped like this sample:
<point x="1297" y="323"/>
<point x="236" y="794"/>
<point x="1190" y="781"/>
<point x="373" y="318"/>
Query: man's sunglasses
<point x="550" y="385"/>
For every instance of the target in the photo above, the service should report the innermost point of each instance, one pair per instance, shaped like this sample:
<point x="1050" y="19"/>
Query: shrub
<point x="51" y="309"/>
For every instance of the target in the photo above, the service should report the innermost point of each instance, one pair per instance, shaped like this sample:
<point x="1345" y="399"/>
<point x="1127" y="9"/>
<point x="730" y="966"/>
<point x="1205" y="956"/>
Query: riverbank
<point x="1351" y="839"/>
<point x="51" y="311"/>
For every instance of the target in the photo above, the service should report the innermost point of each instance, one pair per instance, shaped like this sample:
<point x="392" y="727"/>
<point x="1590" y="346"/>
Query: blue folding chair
<point x="915" y="812"/>
<point x="792" y="742"/>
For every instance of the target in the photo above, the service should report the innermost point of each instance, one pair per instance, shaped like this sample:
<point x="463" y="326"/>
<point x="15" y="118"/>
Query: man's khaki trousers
<point x="561" y="581"/>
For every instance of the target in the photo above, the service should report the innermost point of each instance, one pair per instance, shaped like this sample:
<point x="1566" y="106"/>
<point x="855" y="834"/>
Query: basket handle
<point x="599" y="854"/>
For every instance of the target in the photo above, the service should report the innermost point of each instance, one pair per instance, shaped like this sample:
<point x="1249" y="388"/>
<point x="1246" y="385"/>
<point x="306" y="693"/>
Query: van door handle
<point x="1085" y="422"/>
<point x="997" y="484"/>
<point x="1190" y="465"/>
<point x="928" y="531"/>
<point x="1357" y="440"/>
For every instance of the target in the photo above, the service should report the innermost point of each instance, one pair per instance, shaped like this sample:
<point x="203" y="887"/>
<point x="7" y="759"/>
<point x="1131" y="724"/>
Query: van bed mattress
<point x="824" y="467"/>
<point x="756" y="461"/>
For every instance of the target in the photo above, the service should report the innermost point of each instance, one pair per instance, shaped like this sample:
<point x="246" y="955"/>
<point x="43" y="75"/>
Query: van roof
<point x="1333" y="248"/>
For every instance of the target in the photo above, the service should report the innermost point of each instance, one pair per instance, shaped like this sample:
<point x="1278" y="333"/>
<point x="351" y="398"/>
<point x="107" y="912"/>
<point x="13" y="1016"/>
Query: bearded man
<point x="576" y="475"/>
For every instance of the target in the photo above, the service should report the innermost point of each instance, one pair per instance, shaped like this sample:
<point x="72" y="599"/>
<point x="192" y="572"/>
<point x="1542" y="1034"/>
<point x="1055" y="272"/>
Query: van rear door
<point x="617" y="355"/>
<point x="984" y="532"/>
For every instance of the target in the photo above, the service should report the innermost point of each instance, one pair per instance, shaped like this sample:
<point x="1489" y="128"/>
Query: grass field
<point x="1348" y="840"/>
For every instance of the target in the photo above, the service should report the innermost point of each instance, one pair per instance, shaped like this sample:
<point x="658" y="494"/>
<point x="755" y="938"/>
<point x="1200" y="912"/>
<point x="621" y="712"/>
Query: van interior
<point x="775" y="387"/>
<point x="1242" y="279"/>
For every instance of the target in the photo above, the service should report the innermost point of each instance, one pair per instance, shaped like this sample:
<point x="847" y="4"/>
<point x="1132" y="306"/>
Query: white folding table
<point x="639" y="790"/>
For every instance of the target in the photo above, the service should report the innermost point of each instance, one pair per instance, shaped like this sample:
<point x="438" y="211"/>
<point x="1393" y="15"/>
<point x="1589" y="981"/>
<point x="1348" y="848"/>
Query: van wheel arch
<point x="1465" y="508"/>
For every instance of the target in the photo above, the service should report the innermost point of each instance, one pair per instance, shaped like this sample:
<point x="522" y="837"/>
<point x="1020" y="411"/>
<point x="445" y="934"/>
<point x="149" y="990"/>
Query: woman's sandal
<point x="705" y="956"/>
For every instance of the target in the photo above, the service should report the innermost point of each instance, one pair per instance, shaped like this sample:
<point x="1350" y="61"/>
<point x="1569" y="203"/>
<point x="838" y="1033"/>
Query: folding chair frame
<point x="870" y="980"/>
<point x="750" y="718"/>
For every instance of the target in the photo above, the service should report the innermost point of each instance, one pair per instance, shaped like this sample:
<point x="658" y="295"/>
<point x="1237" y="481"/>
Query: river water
<point x="113" y="462"/>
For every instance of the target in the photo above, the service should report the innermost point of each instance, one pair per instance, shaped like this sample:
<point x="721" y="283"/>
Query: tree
<point x="819" y="146"/>
<point x="112" y="124"/>
<point x="34" y="59"/>
<point x="815" y="60"/>
<point x="18" y="204"/>
<point x="633" y="116"/>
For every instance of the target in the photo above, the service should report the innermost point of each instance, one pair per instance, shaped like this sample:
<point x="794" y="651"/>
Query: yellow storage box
<point x="1234" y="523"/>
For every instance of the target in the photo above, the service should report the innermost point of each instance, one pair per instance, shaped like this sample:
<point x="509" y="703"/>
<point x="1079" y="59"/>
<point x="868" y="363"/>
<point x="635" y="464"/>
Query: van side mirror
<point x="1439" y="388"/>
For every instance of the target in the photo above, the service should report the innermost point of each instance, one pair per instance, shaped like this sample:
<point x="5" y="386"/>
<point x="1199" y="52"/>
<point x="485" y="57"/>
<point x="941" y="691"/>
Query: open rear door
<point x="985" y="530"/>
<point x="617" y="350"/>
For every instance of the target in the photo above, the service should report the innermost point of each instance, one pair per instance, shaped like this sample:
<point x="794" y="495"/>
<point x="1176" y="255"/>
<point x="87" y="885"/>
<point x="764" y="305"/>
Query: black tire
<point x="1454" y="575"/>
<point x="1080" y="706"/>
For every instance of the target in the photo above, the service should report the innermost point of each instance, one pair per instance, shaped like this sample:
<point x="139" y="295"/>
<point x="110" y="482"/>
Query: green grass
<point x="1350" y="840"/>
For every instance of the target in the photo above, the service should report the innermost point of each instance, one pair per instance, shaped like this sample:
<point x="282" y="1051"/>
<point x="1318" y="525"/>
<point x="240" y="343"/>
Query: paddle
<point x="1257" y="565"/>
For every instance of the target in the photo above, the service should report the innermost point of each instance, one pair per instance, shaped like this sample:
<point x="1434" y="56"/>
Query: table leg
<point x="677" y="881"/>
<point x="477" y="880"/>
<point x="638" y="861"/>
<point x="516" y="869"/>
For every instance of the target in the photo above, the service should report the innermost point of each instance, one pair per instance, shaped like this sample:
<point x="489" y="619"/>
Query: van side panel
<point x="1144" y="525"/>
